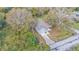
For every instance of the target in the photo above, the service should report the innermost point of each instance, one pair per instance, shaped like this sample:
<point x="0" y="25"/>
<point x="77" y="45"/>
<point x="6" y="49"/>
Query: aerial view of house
<point x="39" y="28"/>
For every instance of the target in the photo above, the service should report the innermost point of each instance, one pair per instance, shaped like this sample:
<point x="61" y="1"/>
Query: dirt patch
<point x="57" y="34"/>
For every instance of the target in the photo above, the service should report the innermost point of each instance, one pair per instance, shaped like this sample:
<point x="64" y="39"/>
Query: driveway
<point x="43" y="33"/>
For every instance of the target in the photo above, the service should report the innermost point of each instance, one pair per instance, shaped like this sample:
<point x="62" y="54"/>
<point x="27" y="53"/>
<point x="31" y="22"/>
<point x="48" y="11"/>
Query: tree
<point x="60" y="12"/>
<point x="2" y="26"/>
<point x="22" y="23"/>
<point x="50" y="18"/>
<point x="77" y="9"/>
<point x="2" y="20"/>
<point x="39" y="12"/>
<point x="17" y="19"/>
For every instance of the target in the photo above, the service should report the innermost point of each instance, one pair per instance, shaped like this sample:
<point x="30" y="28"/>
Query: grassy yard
<point x="75" y="48"/>
<point x="59" y="34"/>
<point x="76" y="25"/>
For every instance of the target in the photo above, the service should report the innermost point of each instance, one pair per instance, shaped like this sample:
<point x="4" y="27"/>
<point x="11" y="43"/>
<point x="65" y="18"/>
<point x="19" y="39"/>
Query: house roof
<point x="43" y="24"/>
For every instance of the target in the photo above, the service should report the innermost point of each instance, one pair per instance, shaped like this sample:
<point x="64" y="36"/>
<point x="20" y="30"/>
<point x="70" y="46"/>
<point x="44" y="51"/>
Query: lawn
<point x="75" y="48"/>
<point x="59" y="34"/>
<point x="76" y="25"/>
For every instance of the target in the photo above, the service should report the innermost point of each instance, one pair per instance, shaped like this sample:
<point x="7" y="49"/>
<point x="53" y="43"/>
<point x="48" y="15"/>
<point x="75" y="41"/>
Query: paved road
<point x="66" y="43"/>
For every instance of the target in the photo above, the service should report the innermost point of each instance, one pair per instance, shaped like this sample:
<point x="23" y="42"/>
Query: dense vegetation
<point x="16" y="32"/>
<point x="17" y="27"/>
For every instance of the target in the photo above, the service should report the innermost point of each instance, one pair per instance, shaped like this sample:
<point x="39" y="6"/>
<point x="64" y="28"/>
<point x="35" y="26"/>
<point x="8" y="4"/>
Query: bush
<point x="2" y="24"/>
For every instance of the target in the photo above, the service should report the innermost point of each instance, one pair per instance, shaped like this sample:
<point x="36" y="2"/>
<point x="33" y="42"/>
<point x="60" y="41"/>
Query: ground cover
<point x="76" y="25"/>
<point x="59" y="34"/>
<point x="75" y="48"/>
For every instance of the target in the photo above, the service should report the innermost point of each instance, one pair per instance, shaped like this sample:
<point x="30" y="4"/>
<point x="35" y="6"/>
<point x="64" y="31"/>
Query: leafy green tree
<point x="77" y="9"/>
<point x="39" y="12"/>
<point x="2" y="26"/>
<point x="20" y="35"/>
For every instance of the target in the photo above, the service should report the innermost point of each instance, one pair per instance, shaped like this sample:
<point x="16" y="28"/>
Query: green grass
<point x="75" y="48"/>
<point x="64" y="34"/>
<point x="76" y="25"/>
<point x="61" y="34"/>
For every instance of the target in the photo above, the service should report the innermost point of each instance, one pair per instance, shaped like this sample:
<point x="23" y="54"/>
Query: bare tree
<point x="19" y="18"/>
